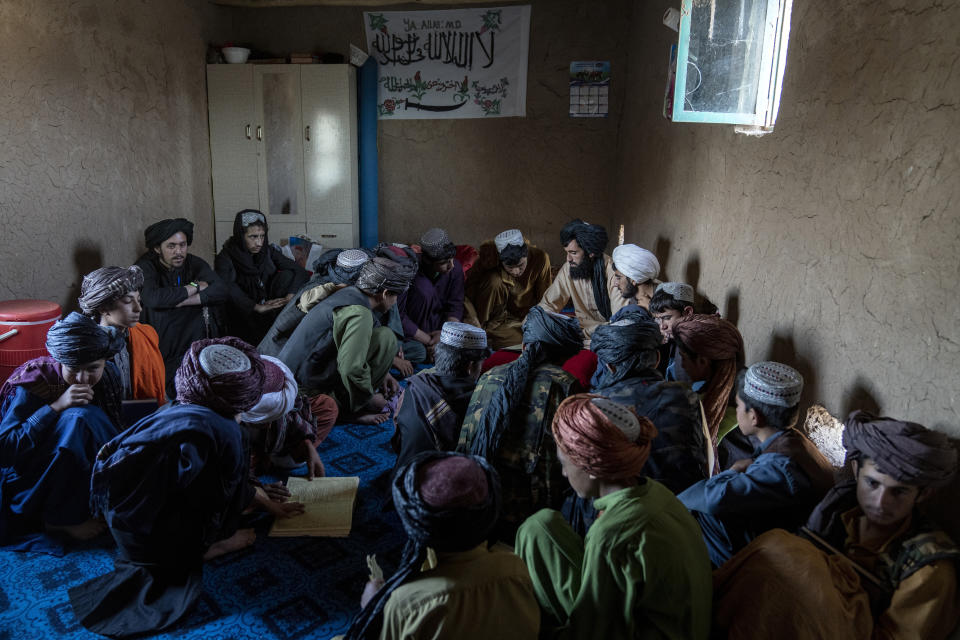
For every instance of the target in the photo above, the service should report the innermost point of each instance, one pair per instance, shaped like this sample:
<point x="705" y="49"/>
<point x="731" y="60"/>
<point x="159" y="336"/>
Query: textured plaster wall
<point x="833" y="242"/>
<point x="104" y="131"/>
<point x="479" y="177"/>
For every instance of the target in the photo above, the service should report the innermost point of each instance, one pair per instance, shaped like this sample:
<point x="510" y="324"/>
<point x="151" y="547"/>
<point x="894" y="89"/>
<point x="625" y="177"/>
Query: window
<point x="730" y="61"/>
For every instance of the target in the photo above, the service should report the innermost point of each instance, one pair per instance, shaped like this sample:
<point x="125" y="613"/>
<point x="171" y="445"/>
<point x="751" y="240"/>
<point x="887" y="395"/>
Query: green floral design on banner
<point x="491" y="21"/>
<point x="378" y="22"/>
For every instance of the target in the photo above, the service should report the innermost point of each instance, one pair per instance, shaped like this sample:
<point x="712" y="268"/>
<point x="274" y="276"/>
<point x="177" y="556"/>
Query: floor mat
<point x="281" y="588"/>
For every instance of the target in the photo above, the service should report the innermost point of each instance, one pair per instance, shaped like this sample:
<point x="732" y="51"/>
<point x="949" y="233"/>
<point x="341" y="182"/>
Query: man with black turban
<point x="869" y="564"/>
<point x="172" y="489"/>
<point x="628" y="353"/>
<point x="436" y="294"/>
<point x="587" y="278"/>
<point x="508" y="418"/>
<point x="340" y="350"/>
<point x="181" y="295"/>
<point x="57" y="412"/>
<point x="260" y="280"/>
<point x="448" y="503"/>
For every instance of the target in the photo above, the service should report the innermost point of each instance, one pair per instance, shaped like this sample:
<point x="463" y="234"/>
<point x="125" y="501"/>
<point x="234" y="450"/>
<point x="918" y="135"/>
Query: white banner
<point x="462" y="63"/>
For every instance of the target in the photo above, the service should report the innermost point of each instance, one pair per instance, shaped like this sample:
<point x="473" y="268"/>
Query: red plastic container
<point x="23" y="331"/>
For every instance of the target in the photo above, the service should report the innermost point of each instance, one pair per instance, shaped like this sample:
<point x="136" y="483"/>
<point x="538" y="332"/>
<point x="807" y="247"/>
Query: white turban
<point x="636" y="263"/>
<point x="274" y="404"/>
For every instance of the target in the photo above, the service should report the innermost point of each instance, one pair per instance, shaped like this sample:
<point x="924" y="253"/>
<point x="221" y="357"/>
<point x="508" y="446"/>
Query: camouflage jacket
<point x="527" y="462"/>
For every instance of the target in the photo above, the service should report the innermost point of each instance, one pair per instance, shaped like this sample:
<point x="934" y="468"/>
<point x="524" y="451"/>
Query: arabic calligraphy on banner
<point x="463" y="63"/>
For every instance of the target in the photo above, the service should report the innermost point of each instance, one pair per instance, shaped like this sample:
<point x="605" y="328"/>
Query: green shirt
<point x="352" y="334"/>
<point x="641" y="572"/>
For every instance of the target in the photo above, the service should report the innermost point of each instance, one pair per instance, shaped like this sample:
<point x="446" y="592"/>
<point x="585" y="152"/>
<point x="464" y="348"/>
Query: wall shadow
<point x="661" y="249"/>
<point x="941" y="506"/>
<point x="731" y="308"/>
<point x="691" y="273"/>
<point x="87" y="256"/>
<point x="860" y="396"/>
<point x="783" y="349"/>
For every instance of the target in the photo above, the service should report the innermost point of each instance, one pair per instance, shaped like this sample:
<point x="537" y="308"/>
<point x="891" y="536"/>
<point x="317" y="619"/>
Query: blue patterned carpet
<point x="281" y="588"/>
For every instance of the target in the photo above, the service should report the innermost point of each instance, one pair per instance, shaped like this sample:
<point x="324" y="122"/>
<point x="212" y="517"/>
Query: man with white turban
<point x="635" y="272"/>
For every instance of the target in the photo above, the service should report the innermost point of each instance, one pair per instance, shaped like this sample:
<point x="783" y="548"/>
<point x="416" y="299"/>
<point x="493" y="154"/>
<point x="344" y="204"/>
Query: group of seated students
<point x="614" y="470"/>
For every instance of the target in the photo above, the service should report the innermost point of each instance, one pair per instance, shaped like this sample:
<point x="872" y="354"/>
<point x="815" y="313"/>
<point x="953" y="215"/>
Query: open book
<point x="328" y="506"/>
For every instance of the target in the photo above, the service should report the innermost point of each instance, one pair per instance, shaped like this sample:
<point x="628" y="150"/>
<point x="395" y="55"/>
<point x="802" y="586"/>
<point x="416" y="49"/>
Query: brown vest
<point x="805" y="454"/>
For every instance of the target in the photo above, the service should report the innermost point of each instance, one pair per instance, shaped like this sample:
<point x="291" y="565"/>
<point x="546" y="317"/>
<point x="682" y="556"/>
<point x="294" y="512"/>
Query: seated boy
<point x="642" y="570"/>
<point x="670" y="302"/>
<point x="435" y="401"/>
<point x="448" y="503"/>
<point x="873" y="566"/>
<point x="780" y="485"/>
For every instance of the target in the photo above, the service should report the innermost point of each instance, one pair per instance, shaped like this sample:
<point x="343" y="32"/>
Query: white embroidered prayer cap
<point x="620" y="416"/>
<point x="679" y="290"/>
<point x="351" y="258"/>
<point x="461" y="335"/>
<point x="507" y="238"/>
<point x="635" y="262"/>
<point x="250" y="217"/>
<point x="773" y="383"/>
<point x="220" y="359"/>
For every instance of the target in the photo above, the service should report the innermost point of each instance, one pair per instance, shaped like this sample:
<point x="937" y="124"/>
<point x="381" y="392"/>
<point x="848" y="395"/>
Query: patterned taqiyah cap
<point x="620" y="416"/>
<point x="219" y="359"/>
<point x="350" y="258"/>
<point x="433" y="241"/>
<point x="508" y="237"/>
<point x="248" y="218"/>
<point x="773" y="383"/>
<point x="461" y="335"/>
<point x="679" y="290"/>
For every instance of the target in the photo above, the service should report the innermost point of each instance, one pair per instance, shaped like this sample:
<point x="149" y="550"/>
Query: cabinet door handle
<point x="246" y="132"/>
<point x="259" y="132"/>
<point x="306" y="133"/>
<point x="328" y="235"/>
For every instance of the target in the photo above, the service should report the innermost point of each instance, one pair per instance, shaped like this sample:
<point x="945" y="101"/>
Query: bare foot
<point x="370" y="418"/>
<point x="84" y="531"/>
<point x="240" y="540"/>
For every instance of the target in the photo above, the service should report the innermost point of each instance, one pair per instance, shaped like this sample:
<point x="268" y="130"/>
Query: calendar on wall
<point x="589" y="89"/>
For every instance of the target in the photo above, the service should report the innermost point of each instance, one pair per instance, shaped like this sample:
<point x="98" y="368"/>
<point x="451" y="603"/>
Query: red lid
<point x="29" y="310"/>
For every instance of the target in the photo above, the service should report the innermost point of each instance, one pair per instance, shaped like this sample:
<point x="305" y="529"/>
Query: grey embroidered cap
<point x="773" y="383"/>
<point x="678" y="290"/>
<point x="351" y="258"/>
<point x="619" y="415"/>
<point x="247" y="218"/>
<point x="463" y="336"/>
<point x="434" y="240"/>
<point x="508" y="237"/>
<point x="219" y="359"/>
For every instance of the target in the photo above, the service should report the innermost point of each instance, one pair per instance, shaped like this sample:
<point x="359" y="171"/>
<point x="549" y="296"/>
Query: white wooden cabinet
<point x="283" y="139"/>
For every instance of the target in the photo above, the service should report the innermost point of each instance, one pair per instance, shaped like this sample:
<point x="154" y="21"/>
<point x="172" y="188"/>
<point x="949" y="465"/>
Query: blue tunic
<point x="169" y="487"/>
<point x="45" y="463"/>
<point x="776" y="491"/>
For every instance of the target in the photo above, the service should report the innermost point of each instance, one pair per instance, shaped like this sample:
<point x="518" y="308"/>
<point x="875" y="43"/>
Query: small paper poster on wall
<point x="461" y="63"/>
<point x="589" y="89"/>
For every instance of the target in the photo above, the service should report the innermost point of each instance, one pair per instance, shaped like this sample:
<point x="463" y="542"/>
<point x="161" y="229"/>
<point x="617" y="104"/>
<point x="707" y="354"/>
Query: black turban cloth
<point x="77" y="340"/>
<point x="449" y="529"/>
<point x="546" y="336"/>
<point x="593" y="239"/>
<point x="627" y="345"/>
<point x="160" y="231"/>
<point x="381" y="273"/>
<point x="248" y="265"/>
<point x="907" y="451"/>
<point x="228" y="394"/>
